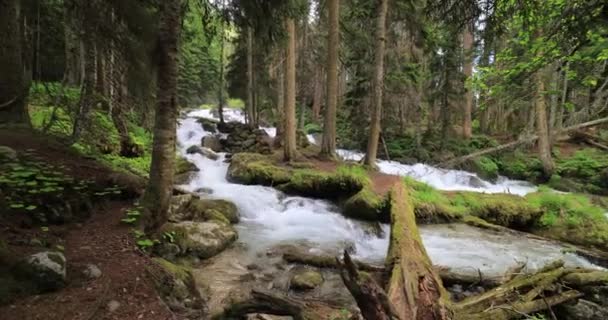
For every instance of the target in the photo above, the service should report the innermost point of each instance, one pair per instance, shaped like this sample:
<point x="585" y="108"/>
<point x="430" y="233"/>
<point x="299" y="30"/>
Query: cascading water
<point x="269" y="217"/>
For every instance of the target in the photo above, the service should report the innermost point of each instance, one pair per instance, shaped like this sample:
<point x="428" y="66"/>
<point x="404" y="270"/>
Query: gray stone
<point x="92" y="271"/>
<point x="583" y="310"/>
<point x="209" y="153"/>
<point x="113" y="305"/>
<point x="7" y="154"/>
<point x="212" y="142"/>
<point x="201" y="239"/>
<point x="46" y="270"/>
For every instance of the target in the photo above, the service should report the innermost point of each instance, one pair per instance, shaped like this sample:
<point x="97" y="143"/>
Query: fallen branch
<point x="456" y="161"/>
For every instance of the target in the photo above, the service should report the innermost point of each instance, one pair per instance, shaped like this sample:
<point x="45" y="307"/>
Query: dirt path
<point x="102" y="241"/>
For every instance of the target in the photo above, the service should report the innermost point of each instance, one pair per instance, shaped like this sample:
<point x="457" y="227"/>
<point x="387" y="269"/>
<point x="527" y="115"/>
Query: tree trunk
<point x="328" y="146"/>
<point x="542" y="128"/>
<point x="157" y="197"/>
<point x="378" y="84"/>
<point x="87" y="96"/>
<point x="72" y="48"/>
<point x="289" y="134"/>
<point x="317" y="95"/>
<point x="280" y="121"/>
<point x="467" y="130"/>
<point x="414" y="290"/>
<point x="220" y="95"/>
<point x="250" y="102"/>
<point x="13" y="93"/>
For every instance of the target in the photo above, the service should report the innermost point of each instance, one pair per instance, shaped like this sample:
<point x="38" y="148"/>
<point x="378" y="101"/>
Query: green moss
<point x="139" y="166"/>
<point x="253" y="168"/>
<point x="430" y="204"/>
<point x="178" y="271"/>
<point x="366" y="205"/>
<point x="485" y="167"/>
<point x="346" y="181"/>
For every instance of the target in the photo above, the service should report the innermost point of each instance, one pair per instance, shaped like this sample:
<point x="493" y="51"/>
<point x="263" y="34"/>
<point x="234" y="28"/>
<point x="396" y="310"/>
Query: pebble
<point x="92" y="271"/>
<point x="113" y="305"/>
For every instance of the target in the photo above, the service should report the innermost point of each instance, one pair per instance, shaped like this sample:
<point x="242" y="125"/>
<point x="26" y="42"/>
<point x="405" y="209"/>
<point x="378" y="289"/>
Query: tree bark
<point x="542" y="128"/>
<point x="317" y="95"/>
<point x="328" y="145"/>
<point x="72" y="49"/>
<point x="13" y="91"/>
<point x="280" y="121"/>
<point x="467" y="41"/>
<point x="250" y="102"/>
<point x="289" y="134"/>
<point x="87" y="92"/>
<point x="378" y="84"/>
<point x="157" y="196"/>
<point x="220" y="98"/>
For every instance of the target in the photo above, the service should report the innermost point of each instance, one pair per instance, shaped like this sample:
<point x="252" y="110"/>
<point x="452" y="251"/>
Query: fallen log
<point x="414" y="290"/>
<point x="268" y="302"/>
<point x="456" y="161"/>
<point x="447" y="275"/>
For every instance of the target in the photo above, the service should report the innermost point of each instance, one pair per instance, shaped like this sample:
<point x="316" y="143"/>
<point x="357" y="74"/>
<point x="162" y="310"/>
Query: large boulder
<point x="211" y="142"/>
<point x="45" y="270"/>
<point x="208" y="124"/>
<point x="200" y="239"/>
<point x="182" y="165"/>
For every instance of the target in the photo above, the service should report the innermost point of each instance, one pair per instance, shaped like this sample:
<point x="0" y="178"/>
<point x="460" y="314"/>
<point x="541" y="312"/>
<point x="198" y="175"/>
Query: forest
<point x="304" y="159"/>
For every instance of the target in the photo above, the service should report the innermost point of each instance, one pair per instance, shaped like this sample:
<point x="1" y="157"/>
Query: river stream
<point x="270" y="218"/>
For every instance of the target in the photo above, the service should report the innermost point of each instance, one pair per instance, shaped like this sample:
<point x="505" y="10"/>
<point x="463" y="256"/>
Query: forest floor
<point x="101" y="240"/>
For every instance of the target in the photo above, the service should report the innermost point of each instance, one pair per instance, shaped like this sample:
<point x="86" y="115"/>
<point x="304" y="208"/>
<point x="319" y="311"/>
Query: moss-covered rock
<point x="182" y="165"/>
<point x="176" y="286"/>
<point x="306" y="280"/>
<point x="366" y="205"/>
<point x="485" y="168"/>
<point x="189" y="207"/>
<point x="312" y="183"/>
<point x="200" y="239"/>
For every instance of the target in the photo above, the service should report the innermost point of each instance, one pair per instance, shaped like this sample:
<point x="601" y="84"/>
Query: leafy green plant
<point x="131" y="216"/>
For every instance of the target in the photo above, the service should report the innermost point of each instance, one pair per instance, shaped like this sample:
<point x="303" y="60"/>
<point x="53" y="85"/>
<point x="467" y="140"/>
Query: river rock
<point x="206" y="152"/>
<point x="45" y="270"/>
<point x="211" y="142"/>
<point x="208" y="124"/>
<point x="583" y="310"/>
<point x="112" y="306"/>
<point x="306" y="280"/>
<point x="7" y="154"/>
<point x="201" y="239"/>
<point x="183" y="166"/>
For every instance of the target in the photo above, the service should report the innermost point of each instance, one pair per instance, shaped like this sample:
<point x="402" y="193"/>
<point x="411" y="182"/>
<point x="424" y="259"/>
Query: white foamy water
<point x="269" y="217"/>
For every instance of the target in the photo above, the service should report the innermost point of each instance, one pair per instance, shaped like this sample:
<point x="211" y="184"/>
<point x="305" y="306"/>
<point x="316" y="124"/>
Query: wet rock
<point x="204" y="190"/>
<point x="306" y="280"/>
<point x="209" y="153"/>
<point x="45" y="270"/>
<point x="208" y="124"/>
<point x="183" y="166"/>
<point x="193" y="149"/>
<point x="201" y="239"/>
<point x="183" y="178"/>
<point x="260" y="316"/>
<point x="112" y="306"/>
<point x="91" y="271"/>
<point x="7" y="154"/>
<point x="582" y="310"/>
<point x="211" y="142"/>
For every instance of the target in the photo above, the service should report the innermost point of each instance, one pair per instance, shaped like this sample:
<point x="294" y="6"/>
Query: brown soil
<point x="102" y="241"/>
